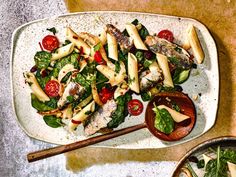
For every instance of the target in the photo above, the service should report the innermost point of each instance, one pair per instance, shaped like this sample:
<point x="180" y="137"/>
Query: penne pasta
<point x="77" y="41"/>
<point x="82" y="65"/>
<point x="62" y="52"/>
<point x="232" y="169"/>
<point x="64" y="71"/>
<point x="133" y="33"/>
<point x="121" y="89"/>
<point x="195" y="44"/>
<point x="103" y="37"/>
<point x="133" y="73"/>
<point x="35" y="87"/>
<point x="95" y="94"/>
<point x="107" y="72"/>
<point x="163" y="63"/>
<point x="112" y="47"/>
<point x="178" y="117"/>
<point x="81" y="116"/>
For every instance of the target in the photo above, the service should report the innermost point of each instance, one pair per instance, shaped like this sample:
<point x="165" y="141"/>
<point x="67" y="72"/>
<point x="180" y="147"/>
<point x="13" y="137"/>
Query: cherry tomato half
<point x="105" y="94"/>
<point x="50" y="42"/>
<point x="166" y="34"/>
<point x="98" y="58"/>
<point x="52" y="88"/>
<point x="135" y="107"/>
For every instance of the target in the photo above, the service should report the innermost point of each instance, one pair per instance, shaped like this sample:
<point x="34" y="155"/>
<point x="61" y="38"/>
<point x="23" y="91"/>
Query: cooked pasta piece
<point x="95" y="94"/>
<point x="133" y="73"/>
<point x="77" y="41"/>
<point x="62" y="51"/>
<point x="163" y="63"/>
<point x="121" y="89"/>
<point x="232" y="169"/>
<point x="35" y="87"/>
<point x="81" y="116"/>
<point x="133" y="33"/>
<point x="112" y="47"/>
<point x="195" y="44"/>
<point x="103" y="37"/>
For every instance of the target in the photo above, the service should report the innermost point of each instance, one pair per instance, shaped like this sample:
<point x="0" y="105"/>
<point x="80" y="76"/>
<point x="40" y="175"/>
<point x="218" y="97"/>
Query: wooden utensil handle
<point x="38" y="155"/>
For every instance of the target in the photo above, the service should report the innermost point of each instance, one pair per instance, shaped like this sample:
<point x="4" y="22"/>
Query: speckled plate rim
<point x="101" y="12"/>
<point x="200" y="147"/>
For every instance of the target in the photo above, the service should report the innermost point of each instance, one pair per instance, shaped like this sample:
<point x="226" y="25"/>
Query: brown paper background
<point x="219" y="16"/>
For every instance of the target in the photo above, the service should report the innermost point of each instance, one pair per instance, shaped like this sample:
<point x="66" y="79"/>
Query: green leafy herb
<point x="147" y="63"/>
<point x="70" y="59"/>
<point x="177" y="49"/>
<point x="87" y="112"/>
<point x="143" y="32"/>
<point x="163" y="120"/>
<point x="180" y="76"/>
<point x="53" y="30"/>
<point x="42" y="80"/>
<point x="130" y="80"/>
<point x="140" y="56"/>
<point x="175" y="107"/>
<point x="66" y="43"/>
<point x="53" y="121"/>
<point x="70" y="98"/>
<point x="66" y="77"/>
<point x="40" y="106"/>
<point x="117" y="67"/>
<point x="97" y="47"/>
<point x="146" y="96"/>
<point x="42" y="59"/>
<point x="118" y="116"/>
<point x="174" y="60"/>
<point x="82" y="81"/>
<point x="201" y="163"/>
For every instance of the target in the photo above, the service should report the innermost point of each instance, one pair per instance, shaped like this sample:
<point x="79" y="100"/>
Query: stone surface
<point x="15" y="144"/>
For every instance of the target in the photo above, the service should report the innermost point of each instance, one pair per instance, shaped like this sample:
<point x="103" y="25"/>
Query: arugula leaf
<point x="42" y="59"/>
<point x="118" y="116"/>
<point x="40" y="106"/>
<point x="163" y="120"/>
<point x="53" y="30"/>
<point x="53" y="121"/>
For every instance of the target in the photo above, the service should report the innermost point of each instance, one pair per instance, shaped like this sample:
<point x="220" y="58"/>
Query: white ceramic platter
<point x="204" y="80"/>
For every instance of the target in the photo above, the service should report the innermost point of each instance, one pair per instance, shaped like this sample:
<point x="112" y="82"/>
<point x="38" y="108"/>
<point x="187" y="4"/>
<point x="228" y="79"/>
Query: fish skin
<point x="101" y="118"/>
<point x="124" y="41"/>
<point x="162" y="46"/>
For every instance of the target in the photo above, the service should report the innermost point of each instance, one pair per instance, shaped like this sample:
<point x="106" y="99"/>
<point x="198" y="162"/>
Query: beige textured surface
<point x="220" y="18"/>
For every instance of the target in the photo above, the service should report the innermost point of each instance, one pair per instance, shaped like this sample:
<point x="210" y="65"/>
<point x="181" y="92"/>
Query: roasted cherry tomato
<point x="98" y="58"/>
<point x="135" y="107"/>
<point x="166" y="34"/>
<point x="50" y="42"/>
<point x="52" y="88"/>
<point x="105" y="94"/>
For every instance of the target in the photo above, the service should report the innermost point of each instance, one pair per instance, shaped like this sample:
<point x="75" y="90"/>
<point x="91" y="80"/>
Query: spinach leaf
<point x="143" y="32"/>
<point x="118" y="116"/>
<point x="146" y="96"/>
<point x="201" y="163"/>
<point x="216" y="167"/>
<point x="53" y="30"/>
<point x="40" y="106"/>
<point x="228" y="155"/>
<point x="42" y="80"/>
<point x="42" y="59"/>
<point x="53" y="121"/>
<point x="163" y="120"/>
<point x="66" y="43"/>
<point x="117" y="67"/>
<point x="70" y="59"/>
<point x="180" y="76"/>
<point x="82" y="81"/>
<point x="97" y="47"/>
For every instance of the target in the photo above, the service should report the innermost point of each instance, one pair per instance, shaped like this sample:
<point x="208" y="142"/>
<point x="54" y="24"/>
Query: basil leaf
<point x="53" y="121"/>
<point x="40" y="106"/>
<point x="53" y="30"/>
<point x="163" y="121"/>
<point x="42" y="59"/>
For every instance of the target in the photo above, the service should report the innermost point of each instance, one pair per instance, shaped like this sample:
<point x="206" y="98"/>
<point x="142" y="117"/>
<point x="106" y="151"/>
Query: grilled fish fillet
<point x="180" y="57"/>
<point x="101" y="118"/>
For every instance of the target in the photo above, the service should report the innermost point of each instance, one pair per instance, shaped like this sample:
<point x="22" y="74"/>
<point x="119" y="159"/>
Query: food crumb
<point x="195" y="97"/>
<point x="168" y="99"/>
